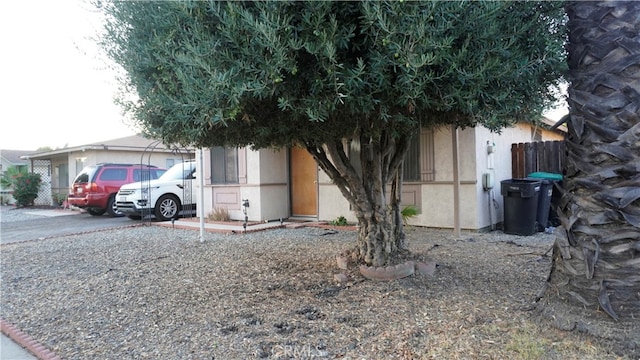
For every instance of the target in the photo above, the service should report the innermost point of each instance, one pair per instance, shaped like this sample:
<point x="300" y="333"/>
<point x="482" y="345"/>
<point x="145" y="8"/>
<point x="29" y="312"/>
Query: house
<point x="8" y="159"/>
<point x="279" y="184"/>
<point x="59" y="167"/>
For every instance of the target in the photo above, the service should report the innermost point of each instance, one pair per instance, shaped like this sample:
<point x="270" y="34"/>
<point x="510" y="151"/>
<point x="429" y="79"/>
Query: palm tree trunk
<point x="596" y="261"/>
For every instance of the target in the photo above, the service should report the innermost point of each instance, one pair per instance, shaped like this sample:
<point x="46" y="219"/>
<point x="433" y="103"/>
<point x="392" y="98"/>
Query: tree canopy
<point x="316" y="73"/>
<point x="272" y="74"/>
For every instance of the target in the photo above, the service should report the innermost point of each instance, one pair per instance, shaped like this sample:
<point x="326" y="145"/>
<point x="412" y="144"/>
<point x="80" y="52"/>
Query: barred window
<point x="419" y="162"/>
<point x="224" y="165"/>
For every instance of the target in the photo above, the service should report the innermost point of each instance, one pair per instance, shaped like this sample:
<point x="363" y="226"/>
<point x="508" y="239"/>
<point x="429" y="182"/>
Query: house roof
<point x="14" y="156"/>
<point x="129" y="143"/>
<point x="550" y="124"/>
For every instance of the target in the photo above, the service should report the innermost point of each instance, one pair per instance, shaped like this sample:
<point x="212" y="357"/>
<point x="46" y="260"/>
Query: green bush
<point x="409" y="212"/>
<point x="339" y="221"/>
<point x="10" y="175"/>
<point x="25" y="188"/>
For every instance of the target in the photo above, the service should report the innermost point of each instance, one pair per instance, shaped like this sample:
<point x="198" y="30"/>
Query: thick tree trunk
<point x="380" y="235"/>
<point x="596" y="259"/>
<point x="376" y="238"/>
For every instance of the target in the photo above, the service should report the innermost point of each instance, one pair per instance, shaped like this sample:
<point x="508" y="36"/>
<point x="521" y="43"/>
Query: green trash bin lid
<point x="546" y="175"/>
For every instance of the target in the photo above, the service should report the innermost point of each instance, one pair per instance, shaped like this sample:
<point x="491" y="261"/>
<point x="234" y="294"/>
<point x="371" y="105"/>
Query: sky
<point x="56" y="91"/>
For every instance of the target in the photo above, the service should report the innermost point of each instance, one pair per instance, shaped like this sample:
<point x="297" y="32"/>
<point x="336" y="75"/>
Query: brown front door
<point x="304" y="183"/>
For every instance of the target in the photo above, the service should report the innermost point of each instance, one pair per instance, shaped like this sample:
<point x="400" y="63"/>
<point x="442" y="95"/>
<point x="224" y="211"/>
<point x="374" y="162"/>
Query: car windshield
<point x="85" y="175"/>
<point x="179" y="172"/>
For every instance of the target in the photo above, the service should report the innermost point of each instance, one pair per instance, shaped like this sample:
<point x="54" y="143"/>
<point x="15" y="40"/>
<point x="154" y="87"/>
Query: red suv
<point x="95" y="188"/>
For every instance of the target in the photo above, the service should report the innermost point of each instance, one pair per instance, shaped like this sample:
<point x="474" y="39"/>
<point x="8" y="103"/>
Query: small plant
<point x="219" y="214"/>
<point x="59" y="198"/>
<point x="409" y="212"/>
<point x="9" y="177"/>
<point x="25" y="188"/>
<point x="339" y="221"/>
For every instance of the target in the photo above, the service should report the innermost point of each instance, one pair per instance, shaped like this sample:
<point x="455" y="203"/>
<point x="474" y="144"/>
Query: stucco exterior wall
<point x="490" y="204"/>
<point x="489" y="207"/>
<point x="479" y="208"/>
<point x="437" y="196"/>
<point x="265" y="187"/>
<point x="267" y="182"/>
<point x="331" y="203"/>
<point x="220" y="196"/>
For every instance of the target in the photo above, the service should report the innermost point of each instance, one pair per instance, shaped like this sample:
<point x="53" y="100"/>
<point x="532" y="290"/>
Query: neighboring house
<point x="59" y="167"/>
<point x="10" y="158"/>
<point x="280" y="184"/>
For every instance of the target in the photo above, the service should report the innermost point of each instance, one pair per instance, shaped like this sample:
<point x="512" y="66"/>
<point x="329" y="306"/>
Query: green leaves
<point x="212" y="73"/>
<point x="25" y="188"/>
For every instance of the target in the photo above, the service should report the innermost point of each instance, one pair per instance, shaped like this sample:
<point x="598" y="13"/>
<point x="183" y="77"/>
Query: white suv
<point x="164" y="197"/>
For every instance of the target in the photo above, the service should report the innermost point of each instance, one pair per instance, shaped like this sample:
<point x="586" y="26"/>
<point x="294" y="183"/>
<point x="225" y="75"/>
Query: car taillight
<point x="92" y="187"/>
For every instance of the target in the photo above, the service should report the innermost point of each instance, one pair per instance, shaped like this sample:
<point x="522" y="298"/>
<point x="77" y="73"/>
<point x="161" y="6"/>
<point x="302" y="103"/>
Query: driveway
<point x="32" y="224"/>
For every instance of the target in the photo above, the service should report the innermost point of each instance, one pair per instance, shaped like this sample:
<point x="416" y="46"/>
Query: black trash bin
<point x="544" y="203"/>
<point x="520" y="205"/>
<point x="549" y="199"/>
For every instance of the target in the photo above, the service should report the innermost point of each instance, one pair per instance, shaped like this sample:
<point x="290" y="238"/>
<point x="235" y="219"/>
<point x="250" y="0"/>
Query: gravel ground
<point x="157" y="293"/>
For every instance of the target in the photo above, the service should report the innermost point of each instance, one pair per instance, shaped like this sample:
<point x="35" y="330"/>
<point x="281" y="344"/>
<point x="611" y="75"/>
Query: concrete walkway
<point x="236" y="227"/>
<point x="9" y="350"/>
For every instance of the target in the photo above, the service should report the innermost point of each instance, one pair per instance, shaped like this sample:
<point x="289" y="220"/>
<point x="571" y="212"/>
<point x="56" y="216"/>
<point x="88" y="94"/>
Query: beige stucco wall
<point x="479" y="209"/>
<point x="265" y="186"/>
<point x="220" y="196"/>
<point x="490" y="204"/>
<point x="437" y="196"/>
<point x="331" y="203"/>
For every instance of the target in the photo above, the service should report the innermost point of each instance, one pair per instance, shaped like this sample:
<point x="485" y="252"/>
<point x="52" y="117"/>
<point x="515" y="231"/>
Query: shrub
<point x="219" y="214"/>
<point x="409" y="212"/>
<point x="25" y="188"/>
<point x="10" y="175"/>
<point x="339" y="221"/>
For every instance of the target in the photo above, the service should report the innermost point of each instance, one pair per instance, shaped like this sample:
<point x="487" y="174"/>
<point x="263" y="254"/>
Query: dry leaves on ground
<point x="158" y="293"/>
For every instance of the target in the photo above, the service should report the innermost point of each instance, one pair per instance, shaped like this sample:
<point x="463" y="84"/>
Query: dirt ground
<point x="151" y="292"/>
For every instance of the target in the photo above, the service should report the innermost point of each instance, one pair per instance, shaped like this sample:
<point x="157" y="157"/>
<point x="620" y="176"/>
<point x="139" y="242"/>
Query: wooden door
<point x="304" y="183"/>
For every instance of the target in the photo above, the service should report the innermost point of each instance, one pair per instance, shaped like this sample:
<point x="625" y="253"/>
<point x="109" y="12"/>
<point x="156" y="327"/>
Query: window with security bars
<point x="418" y="162"/>
<point x="224" y="165"/>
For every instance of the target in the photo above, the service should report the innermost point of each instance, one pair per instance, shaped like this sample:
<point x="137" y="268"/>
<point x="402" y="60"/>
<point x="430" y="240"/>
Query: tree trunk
<point x="596" y="260"/>
<point x="380" y="235"/>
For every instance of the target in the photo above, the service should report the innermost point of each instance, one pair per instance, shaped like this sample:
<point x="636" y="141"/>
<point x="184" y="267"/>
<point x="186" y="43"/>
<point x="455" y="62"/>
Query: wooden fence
<point x="547" y="156"/>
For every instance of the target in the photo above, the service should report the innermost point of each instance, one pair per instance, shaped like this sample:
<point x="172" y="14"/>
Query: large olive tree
<point x="314" y="74"/>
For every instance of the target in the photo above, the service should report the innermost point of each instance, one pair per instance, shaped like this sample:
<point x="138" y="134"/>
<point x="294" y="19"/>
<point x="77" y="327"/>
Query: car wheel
<point x="134" y="217"/>
<point x="112" y="209"/>
<point x="167" y="207"/>
<point x="96" y="212"/>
